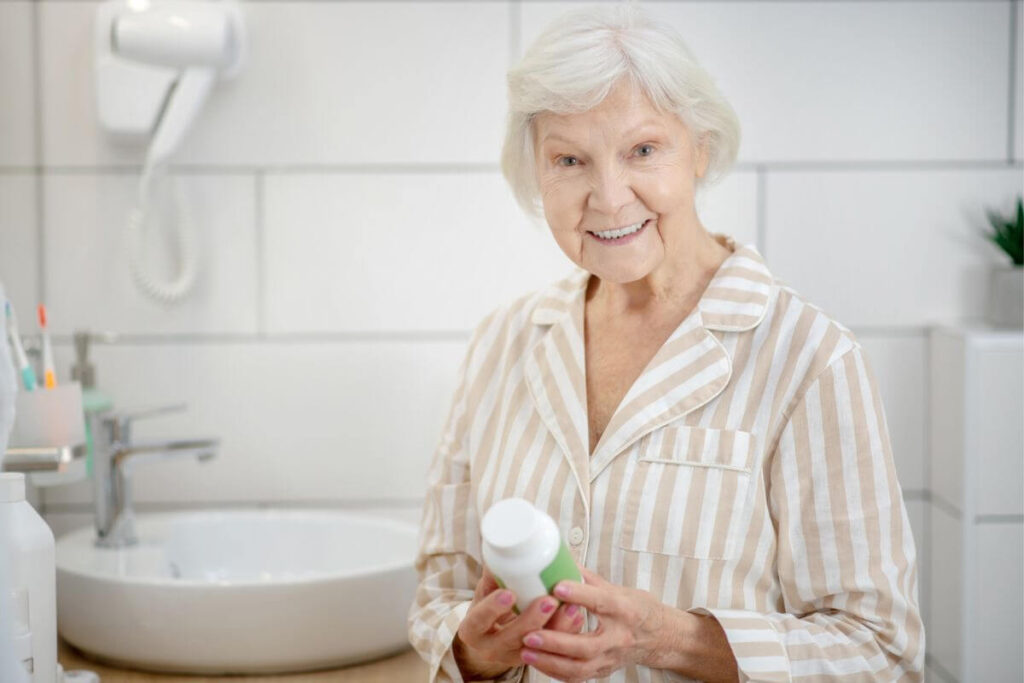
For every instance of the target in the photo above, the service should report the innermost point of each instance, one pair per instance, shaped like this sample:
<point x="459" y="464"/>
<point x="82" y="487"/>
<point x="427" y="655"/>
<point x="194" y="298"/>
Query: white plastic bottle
<point x="524" y="551"/>
<point x="28" y="587"/>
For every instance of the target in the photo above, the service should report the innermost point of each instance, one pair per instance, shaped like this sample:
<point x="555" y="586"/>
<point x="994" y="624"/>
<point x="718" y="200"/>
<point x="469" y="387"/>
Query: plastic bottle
<point x="94" y="401"/>
<point x="28" y="586"/>
<point x="524" y="551"/>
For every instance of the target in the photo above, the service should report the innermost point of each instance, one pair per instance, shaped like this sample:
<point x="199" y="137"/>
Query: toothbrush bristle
<point x="42" y="315"/>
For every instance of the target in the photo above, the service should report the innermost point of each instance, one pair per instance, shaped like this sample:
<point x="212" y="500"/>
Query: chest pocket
<point x="688" y="493"/>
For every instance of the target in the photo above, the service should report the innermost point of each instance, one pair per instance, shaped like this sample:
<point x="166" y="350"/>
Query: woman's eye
<point x="643" y="147"/>
<point x="564" y="161"/>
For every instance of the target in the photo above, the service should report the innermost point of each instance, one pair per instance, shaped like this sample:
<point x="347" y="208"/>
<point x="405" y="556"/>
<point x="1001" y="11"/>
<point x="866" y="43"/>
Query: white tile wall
<point x="943" y="630"/>
<point x="948" y="382"/>
<point x="976" y="466"/>
<point x="999" y="614"/>
<point x="848" y="80"/>
<point x="731" y="207"/>
<point x="325" y="83"/>
<point x="398" y="251"/>
<point x="900" y="365"/>
<point x="18" y="254"/>
<point x="17" y="117"/>
<point x="887" y="248"/>
<point x="917" y="509"/>
<point x="89" y="281"/>
<point x="999" y="433"/>
<point x="352" y="421"/>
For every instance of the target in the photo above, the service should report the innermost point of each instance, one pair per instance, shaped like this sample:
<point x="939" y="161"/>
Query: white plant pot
<point x="1006" y="296"/>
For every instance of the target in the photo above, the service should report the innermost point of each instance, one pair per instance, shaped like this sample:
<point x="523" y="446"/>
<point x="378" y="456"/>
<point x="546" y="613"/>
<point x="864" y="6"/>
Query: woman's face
<point x="617" y="165"/>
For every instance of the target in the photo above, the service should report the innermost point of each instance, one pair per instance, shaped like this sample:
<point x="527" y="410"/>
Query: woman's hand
<point x="490" y="637"/>
<point x="633" y="627"/>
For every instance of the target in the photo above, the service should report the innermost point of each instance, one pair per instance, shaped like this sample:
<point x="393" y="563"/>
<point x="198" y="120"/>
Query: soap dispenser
<point x="28" y="600"/>
<point x="94" y="401"/>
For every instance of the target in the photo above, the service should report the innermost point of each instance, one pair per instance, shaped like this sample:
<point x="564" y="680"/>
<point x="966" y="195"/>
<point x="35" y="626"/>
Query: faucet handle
<point x="121" y="421"/>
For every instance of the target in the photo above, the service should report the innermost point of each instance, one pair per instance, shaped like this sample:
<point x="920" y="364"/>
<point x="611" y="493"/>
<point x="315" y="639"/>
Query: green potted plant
<point x="1006" y="301"/>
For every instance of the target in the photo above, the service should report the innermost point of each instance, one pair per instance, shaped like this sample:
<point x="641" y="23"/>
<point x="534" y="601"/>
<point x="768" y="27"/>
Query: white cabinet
<point x="976" y="479"/>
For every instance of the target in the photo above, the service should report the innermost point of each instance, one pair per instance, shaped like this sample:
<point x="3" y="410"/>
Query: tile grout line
<point x="37" y="148"/>
<point x="949" y="508"/>
<point x="999" y="518"/>
<point x="261" y="251"/>
<point x="38" y="190"/>
<point x="1012" y="103"/>
<point x="411" y="503"/>
<point x="417" y="168"/>
<point x="398" y="336"/>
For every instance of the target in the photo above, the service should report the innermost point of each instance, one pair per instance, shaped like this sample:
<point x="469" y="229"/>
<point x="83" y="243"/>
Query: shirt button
<point x="575" y="535"/>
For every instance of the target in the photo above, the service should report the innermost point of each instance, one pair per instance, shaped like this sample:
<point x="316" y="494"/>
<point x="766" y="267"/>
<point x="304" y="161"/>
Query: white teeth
<point x="621" y="232"/>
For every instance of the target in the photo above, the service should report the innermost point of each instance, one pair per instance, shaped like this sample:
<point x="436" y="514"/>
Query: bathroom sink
<point x="258" y="591"/>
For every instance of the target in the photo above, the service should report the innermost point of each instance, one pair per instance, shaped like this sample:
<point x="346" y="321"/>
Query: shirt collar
<point x="735" y="300"/>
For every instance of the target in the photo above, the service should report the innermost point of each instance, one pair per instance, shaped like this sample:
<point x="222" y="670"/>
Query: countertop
<point x="403" y="667"/>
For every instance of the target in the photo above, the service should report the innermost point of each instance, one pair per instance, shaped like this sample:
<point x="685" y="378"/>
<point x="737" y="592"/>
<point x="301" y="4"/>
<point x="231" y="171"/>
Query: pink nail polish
<point x="571" y="610"/>
<point x="529" y="657"/>
<point x="562" y="591"/>
<point x="533" y="640"/>
<point x="547" y="606"/>
<point x="506" y="598"/>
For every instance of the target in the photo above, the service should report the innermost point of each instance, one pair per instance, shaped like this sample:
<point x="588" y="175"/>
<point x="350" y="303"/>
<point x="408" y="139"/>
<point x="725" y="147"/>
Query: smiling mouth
<point x="619" y="233"/>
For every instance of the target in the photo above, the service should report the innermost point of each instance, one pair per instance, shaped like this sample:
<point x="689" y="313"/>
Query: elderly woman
<point x="712" y="446"/>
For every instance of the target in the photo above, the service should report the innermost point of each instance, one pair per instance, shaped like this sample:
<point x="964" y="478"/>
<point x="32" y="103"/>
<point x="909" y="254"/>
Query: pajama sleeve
<point x="845" y="554"/>
<point x="448" y="559"/>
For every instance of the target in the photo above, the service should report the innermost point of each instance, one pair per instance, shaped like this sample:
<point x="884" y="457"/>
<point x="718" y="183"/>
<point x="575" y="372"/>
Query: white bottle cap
<point x="509" y="525"/>
<point x="12" y="487"/>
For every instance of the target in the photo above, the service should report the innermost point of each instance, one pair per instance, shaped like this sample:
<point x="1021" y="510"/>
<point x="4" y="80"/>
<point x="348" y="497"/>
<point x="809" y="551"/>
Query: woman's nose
<point x="610" y="192"/>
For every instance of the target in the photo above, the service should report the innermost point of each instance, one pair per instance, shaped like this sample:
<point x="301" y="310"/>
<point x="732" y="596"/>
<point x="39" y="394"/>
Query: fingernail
<point x="547" y="606"/>
<point x="529" y="657"/>
<point x="506" y="598"/>
<point x="562" y="591"/>
<point x="533" y="640"/>
<point x="570" y="610"/>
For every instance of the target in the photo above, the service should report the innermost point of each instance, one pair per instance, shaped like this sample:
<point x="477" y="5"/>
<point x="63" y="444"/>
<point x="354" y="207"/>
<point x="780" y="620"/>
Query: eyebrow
<point x="631" y="132"/>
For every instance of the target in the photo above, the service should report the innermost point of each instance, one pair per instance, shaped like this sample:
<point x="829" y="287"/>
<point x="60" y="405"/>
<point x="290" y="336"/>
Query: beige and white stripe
<point x="747" y="474"/>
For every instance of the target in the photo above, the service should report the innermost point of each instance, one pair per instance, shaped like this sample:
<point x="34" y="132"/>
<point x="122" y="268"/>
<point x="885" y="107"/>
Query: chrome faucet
<point x="114" y="455"/>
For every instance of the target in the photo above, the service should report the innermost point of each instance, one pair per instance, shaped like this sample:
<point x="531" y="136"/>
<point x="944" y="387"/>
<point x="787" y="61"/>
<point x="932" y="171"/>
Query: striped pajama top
<point x="747" y="474"/>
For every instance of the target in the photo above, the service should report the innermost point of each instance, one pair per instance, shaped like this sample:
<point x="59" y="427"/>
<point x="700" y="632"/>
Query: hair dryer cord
<point x="138" y="233"/>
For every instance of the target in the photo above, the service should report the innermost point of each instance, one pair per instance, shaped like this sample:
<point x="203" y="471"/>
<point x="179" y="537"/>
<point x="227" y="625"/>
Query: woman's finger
<point x="568" y="618"/>
<point x="593" y="578"/>
<point x="534" y="617"/>
<point x="506" y="618"/>
<point x="584" y="646"/>
<point x="485" y="586"/>
<point x="483" y="615"/>
<point x="600" y="599"/>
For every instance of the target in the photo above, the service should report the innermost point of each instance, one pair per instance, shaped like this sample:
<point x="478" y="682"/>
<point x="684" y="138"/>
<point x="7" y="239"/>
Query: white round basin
<point x="259" y="591"/>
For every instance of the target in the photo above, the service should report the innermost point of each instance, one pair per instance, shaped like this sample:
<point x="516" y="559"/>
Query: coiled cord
<point x="138" y="231"/>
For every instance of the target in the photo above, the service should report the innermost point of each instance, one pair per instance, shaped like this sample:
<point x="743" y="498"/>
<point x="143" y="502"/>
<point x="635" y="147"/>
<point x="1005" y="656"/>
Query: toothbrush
<point x="49" y="370"/>
<point x="28" y="375"/>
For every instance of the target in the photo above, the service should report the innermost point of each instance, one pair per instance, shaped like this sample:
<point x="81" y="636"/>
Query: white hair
<point x="572" y="66"/>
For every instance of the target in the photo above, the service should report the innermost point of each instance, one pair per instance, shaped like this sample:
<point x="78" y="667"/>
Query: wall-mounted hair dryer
<point x="156" y="62"/>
